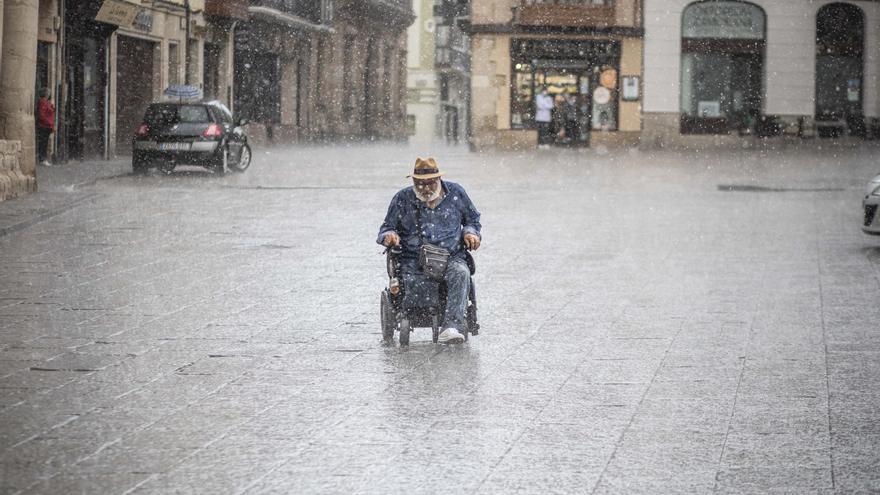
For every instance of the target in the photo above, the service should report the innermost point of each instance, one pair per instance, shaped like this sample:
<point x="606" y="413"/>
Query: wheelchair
<point x="396" y="317"/>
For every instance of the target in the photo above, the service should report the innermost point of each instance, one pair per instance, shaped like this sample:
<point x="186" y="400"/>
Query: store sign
<point x="119" y="12"/>
<point x="724" y="20"/>
<point x="143" y="21"/>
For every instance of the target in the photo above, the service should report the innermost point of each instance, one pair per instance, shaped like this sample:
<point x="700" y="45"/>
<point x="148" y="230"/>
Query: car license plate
<point x="173" y="146"/>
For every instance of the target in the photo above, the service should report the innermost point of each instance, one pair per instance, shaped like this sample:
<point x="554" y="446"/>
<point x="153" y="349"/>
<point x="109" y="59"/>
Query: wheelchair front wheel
<point x="405" y="329"/>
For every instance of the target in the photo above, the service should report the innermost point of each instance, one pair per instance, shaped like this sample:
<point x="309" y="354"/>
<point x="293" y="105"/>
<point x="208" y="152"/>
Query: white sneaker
<point x="450" y="336"/>
<point x="45" y="163"/>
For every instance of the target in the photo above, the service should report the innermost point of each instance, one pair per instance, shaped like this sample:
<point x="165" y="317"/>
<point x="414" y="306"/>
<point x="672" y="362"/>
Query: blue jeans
<point x="458" y="286"/>
<point x="421" y="292"/>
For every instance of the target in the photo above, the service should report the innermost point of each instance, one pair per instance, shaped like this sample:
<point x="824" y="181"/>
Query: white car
<point x="871" y="223"/>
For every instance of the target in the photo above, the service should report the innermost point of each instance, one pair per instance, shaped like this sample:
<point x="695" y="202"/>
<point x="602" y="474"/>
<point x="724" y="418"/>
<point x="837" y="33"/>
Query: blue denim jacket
<point x="442" y="226"/>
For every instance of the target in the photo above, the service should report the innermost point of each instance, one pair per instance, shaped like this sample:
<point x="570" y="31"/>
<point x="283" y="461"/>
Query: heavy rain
<point x="439" y="246"/>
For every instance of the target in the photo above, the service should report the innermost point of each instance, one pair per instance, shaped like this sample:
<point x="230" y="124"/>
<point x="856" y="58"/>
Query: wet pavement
<point x="652" y="322"/>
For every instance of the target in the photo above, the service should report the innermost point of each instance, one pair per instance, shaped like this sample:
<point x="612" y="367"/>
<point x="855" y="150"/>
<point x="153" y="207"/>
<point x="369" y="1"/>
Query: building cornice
<point x="630" y="32"/>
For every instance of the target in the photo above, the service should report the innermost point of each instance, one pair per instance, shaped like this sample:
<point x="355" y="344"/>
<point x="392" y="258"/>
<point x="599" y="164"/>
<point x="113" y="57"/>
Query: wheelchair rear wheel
<point x="405" y="329"/>
<point x="386" y="313"/>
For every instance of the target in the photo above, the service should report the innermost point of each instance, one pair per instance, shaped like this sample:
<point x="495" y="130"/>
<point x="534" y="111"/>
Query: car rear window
<point x="163" y="114"/>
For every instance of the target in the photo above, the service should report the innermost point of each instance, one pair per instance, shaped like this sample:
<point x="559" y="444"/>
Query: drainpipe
<point x="230" y="67"/>
<point x="186" y="45"/>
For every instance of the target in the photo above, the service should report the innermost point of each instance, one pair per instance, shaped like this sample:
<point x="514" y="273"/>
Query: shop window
<point x="173" y="64"/>
<point x="192" y="61"/>
<point x="722" y="59"/>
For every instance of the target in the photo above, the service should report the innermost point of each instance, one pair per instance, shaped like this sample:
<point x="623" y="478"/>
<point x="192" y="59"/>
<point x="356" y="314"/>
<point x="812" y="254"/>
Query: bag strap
<point x="419" y="222"/>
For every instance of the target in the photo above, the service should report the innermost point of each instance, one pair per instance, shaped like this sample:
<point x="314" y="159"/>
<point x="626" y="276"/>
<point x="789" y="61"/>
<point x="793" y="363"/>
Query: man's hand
<point x="391" y="239"/>
<point x="472" y="242"/>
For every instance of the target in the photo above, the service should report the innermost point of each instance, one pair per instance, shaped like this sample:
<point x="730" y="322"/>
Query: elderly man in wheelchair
<point x="428" y="231"/>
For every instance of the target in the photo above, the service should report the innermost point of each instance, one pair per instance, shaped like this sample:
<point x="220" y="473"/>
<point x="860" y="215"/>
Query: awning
<point x="119" y="12"/>
<point x="279" y="17"/>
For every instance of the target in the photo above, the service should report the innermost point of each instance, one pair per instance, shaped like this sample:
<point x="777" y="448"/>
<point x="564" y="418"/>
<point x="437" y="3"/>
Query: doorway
<point x="570" y="84"/>
<point x="840" y="41"/>
<point x="134" y="88"/>
<point x="211" y="75"/>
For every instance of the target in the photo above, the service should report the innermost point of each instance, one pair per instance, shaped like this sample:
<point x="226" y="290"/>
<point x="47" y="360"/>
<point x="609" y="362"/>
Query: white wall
<point x="790" y="64"/>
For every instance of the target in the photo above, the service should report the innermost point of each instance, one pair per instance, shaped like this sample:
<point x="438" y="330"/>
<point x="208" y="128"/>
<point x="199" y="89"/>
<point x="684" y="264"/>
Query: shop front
<point x="135" y="63"/>
<point x="82" y="130"/>
<point x="593" y="82"/>
<point x="582" y="78"/>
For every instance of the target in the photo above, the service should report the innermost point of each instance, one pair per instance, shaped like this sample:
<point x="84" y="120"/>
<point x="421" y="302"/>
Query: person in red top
<point x="45" y="126"/>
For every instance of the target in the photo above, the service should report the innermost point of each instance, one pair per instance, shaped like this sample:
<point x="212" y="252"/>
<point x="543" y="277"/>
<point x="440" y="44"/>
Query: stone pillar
<point x="18" y="53"/>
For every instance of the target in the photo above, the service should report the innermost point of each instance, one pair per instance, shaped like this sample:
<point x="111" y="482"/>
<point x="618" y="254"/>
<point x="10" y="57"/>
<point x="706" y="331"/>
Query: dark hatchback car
<point x="190" y="133"/>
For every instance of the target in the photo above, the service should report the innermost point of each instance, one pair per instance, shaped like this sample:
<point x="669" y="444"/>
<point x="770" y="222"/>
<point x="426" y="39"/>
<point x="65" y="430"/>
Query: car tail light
<point x="143" y="130"/>
<point x="212" y="131"/>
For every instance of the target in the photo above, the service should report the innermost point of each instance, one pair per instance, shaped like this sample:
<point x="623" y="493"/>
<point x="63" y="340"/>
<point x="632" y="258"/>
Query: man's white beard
<point x="429" y="197"/>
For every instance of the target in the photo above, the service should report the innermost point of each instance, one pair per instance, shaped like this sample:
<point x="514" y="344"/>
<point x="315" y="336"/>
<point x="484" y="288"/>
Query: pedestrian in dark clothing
<point x="571" y="119"/>
<point x="45" y="126"/>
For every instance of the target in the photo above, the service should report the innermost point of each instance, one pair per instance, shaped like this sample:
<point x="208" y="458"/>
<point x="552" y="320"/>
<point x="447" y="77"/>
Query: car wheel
<point x="244" y="159"/>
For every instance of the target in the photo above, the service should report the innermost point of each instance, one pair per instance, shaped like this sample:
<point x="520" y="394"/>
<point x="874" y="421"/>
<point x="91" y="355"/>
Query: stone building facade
<point x="300" y="70"/>
<point x="718" y="72"/>
<point x="323" y="70"/>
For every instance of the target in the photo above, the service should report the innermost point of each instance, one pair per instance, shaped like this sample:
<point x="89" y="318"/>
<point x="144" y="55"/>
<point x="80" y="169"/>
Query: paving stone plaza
<point x="652" y="322"/>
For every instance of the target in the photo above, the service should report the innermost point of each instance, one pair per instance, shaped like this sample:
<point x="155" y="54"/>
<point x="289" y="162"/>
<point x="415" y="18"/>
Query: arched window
<point x="840" y="42"/>
<point x="722" y="64"/>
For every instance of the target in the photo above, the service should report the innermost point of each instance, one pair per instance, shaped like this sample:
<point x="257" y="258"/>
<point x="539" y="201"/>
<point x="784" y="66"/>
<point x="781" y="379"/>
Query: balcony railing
<point x="599" y="13"/>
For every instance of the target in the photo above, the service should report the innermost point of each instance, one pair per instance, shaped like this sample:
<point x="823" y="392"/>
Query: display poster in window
<point x="709" y="109"/>
<point x="601" y="95"/>
<point x="608" y="78"/>
<point x="852" y="90"/>
<point x="630" y="88"/>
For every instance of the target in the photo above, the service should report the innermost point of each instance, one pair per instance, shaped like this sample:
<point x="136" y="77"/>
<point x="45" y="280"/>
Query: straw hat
<point x="425" y="169"/>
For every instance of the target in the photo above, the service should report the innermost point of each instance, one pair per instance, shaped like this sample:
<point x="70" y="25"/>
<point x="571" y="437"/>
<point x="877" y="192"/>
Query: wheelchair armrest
<point x="472" y="265"/>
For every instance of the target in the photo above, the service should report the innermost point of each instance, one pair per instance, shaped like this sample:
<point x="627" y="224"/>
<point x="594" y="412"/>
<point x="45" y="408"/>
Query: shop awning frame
<point x="278" y="17"/>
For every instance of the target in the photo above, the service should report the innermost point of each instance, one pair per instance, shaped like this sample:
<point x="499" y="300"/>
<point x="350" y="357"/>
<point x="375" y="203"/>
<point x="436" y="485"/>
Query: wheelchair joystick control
<point x="394" y="285"/>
